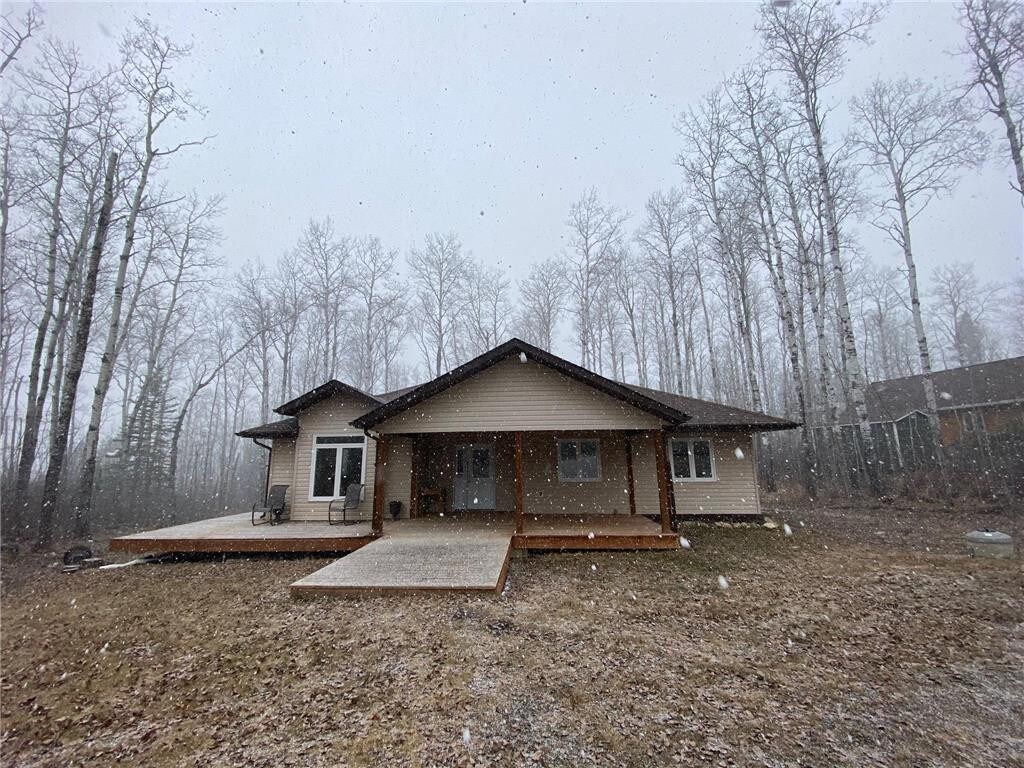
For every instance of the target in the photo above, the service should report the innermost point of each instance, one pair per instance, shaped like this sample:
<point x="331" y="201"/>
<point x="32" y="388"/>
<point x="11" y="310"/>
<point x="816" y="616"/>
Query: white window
<point x="579" y="461"/>
<point x="338" y="461"/>
<point x="693" y="460"/>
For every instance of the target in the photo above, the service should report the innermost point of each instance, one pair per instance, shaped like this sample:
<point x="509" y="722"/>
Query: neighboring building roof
<point x="508" y="349"/>
<point x="386" y="397"/>
<point x="706" y="413"/>
<point x="324" y="391"/>
<point x="281" y="428"/>
<point x="999" y="381"/>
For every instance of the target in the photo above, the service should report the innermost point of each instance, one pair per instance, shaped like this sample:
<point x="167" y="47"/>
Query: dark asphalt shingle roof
<point x="682" y="411"/>
<point x="707" y="413"/>
<point x="998" y="381"/>
<point x="281" y="428"/>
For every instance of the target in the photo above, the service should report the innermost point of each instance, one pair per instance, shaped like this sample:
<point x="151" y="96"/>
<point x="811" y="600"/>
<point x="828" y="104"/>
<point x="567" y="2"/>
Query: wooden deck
<point x="236" y="534"/>
<point x="567" y="532"/>
<point x="462" y="554"/>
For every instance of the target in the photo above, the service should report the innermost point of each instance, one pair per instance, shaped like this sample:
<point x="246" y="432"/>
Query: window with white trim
<point x="693" y="460"/>
<point x="338" y="461"/>
<point x="579" y="461"/>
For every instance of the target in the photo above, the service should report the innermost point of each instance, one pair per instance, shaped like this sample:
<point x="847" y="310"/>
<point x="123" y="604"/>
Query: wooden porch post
<point x="629" y="476"/>
<point x="662" y="470"/>
<point x="519" y="481"/>
<point x="414" y="479"/>
<point x="378" y="484"/>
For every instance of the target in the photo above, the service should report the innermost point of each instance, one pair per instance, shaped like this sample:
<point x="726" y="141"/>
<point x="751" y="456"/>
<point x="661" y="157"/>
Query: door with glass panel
<point x="474" y="476"/>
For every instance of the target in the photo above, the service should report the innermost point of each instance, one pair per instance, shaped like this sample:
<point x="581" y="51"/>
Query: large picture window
<point x="579" y="460"/>
<point x="693" y="460"/>
<point x="337" y="463"/>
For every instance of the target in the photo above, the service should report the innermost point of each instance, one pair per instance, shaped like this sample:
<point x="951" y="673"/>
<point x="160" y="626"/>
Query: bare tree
<point x="15" y="33"/>
<point x="379" y="292"/>
<point x="327" y="261"/>
<point x="995" y="49"/>
<point x="69" y="389"/>
<point x="68" y="103"/>
<point x="148" y="59"/>
<point x="918" y="139"/>
<point x="438" y="274"/>
<point x="595" y="230"/>
<point x="808" y="42"/>
<point x="289" y="303"/>
<point x="541" y="298"/>
<point x="661" y="233"/>
<point x="962" y="307"/>
<point x="488" y="308"/>
<point x="626" y="285"/>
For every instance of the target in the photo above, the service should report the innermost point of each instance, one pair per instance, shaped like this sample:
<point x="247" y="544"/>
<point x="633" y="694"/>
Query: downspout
<point x="266" y="480"/>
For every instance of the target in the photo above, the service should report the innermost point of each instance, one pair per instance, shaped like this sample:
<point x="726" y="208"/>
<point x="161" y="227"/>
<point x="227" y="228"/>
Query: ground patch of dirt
<point x="833" y="646"/>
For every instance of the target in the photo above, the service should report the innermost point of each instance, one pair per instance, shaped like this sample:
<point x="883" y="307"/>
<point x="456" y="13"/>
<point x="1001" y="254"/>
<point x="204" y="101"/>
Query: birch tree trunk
<point x="76" y="359"/>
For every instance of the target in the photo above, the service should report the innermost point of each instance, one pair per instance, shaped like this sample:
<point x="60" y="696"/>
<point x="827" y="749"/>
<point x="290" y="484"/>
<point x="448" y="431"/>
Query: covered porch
<point x="590" y="489"/>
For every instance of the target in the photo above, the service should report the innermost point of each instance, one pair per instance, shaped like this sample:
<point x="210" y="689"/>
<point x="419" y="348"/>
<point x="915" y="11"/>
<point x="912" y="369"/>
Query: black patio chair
<point x="353" y="495"/>
<point x="274" y="511"/>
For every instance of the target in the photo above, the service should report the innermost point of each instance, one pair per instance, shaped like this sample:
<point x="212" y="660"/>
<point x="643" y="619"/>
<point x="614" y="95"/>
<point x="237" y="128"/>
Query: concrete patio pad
<point x="468" y="553"/>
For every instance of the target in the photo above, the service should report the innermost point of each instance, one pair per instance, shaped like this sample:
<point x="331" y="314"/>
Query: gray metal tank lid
<point x="989" y="537"/>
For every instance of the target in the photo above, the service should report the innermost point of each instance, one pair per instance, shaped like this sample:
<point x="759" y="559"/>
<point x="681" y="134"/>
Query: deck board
<point x="451" y="554"/>
<point x="562" y="531"/>
<point x="237" y="534"/>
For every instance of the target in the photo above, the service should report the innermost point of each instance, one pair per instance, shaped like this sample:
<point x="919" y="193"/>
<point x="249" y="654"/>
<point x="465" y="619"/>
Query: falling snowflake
<point x="593" y="567"/>
<point x="739" y="454"/>
<point x="684" y="542"/>
<point x="945" y="395"/>
<point x="465" y="735"/>
<point x="590" y="535"/>
<point x="723" y="583"/>
<point x="522" y="357"/>
<point x="786" y="529"/>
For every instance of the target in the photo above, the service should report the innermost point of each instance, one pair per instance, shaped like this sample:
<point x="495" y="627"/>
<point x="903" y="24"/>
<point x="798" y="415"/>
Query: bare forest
<point x="132" y="349"/>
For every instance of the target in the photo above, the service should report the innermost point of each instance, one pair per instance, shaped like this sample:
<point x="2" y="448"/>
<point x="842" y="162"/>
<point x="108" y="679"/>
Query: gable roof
<point x="324" y="391"/>
<point x="281" y="428"/>
<point x="707" y="413"/>
<point x="999" y="381"/>
<point x="630" y="395"/>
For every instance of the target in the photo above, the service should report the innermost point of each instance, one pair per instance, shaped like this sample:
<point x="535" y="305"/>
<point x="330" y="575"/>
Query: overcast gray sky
<point x="489" y="120"/>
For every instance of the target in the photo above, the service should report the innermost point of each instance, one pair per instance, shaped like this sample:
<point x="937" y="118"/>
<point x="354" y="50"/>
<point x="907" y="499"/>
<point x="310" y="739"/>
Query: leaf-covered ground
<point x="838" y="645"/>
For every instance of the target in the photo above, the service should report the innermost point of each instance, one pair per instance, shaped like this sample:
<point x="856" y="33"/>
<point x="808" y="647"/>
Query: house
<point x="524" y="433"/>
<point x="975" y="402"/>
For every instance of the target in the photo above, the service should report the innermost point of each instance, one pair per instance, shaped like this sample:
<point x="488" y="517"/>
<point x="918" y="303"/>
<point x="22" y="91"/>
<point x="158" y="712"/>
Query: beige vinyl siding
<point x="645" y="474"/>
<point x="398" y="474"/>
<point x="282" y="465"/>
<point x="517" y="396"/>
<point x="734" y="492"/>
<point x="544" y="493"/>
<point x="329" y="417"/>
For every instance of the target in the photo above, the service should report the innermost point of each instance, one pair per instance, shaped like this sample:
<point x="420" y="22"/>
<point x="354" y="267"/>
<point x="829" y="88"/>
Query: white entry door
<point x="474" y="476"/>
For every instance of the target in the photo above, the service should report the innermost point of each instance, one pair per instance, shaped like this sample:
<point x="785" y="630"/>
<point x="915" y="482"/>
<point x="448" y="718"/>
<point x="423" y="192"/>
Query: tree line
<point x="131" y="351"/>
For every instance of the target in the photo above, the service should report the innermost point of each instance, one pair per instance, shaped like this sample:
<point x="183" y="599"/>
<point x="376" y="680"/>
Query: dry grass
<point x="830" y="648"/>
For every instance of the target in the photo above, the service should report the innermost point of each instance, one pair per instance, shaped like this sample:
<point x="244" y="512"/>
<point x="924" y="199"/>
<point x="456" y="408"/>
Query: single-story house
<point x="517" y="430"/>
